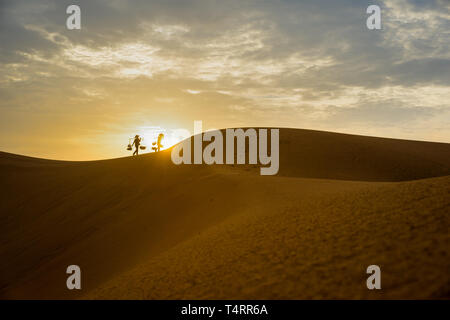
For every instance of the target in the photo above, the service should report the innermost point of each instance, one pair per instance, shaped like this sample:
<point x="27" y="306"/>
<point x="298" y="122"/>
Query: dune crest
<point x="145" y="228"/>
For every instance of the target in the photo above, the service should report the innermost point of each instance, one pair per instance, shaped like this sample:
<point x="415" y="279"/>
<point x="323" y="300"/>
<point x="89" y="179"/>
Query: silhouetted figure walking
<point x="136" y="143"/>
<point x="160" y="137"/>
<point x="157" y="145"/>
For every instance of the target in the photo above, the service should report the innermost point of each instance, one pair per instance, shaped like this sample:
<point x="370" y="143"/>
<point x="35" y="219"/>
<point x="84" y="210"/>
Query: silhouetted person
<point x="160" y="137"/>
<point x="136" y="143"/>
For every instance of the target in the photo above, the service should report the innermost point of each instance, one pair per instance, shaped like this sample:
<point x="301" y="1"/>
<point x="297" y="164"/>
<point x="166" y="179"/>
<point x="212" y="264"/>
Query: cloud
<point x="280" y="62"/>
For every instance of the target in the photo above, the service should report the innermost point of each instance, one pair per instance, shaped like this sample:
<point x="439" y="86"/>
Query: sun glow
<point x="149" y="135"/>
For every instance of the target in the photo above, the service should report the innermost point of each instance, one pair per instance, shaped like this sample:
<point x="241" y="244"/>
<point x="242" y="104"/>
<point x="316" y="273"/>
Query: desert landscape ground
<point x="144" y="228"/>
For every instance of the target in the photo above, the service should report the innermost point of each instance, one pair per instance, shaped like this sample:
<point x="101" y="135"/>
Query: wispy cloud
<point x="292" y="63"/>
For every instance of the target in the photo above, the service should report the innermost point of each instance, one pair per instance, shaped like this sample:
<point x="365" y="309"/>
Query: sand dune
<point x="145" y="228"/>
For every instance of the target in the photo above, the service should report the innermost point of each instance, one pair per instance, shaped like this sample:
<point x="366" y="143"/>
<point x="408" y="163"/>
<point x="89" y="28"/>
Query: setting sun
<point x="149" y="136"/>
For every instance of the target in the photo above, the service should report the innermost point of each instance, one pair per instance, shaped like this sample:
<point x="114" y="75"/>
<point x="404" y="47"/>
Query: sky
<point x="156" y="66"/>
